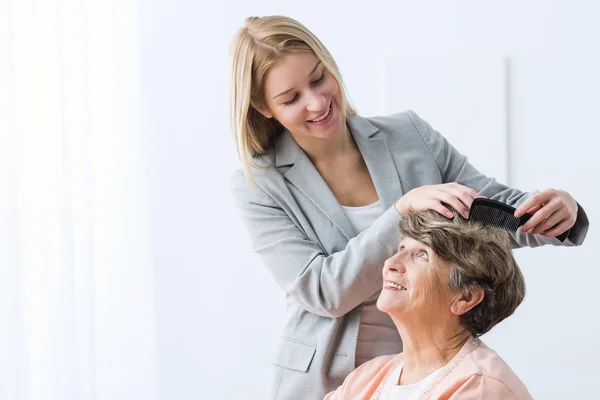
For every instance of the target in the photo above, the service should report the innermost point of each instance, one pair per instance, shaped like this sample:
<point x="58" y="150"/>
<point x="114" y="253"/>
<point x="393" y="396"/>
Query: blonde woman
<point x="321" y="192"/>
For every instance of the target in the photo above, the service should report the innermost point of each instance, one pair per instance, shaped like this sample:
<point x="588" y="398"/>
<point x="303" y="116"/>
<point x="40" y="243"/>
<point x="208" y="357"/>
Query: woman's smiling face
<point x="415" y="282"/>
<point x="304" y="97"/>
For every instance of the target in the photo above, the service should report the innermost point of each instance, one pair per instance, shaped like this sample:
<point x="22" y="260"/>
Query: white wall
<point x="218" y="309"/>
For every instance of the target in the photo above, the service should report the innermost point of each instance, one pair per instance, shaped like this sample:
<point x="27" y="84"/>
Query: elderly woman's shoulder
<point x="489" y="365"/>
<point x="363" y="382"/>
<point x="489" y="361"/>
<point x="377" y="364"/>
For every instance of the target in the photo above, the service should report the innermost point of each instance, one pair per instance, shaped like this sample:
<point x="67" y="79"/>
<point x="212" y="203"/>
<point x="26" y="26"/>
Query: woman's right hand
<point x="431" y="197"/>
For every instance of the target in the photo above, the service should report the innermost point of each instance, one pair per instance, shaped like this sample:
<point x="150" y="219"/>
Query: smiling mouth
<point x="394" y="285"/>
<point x="322" y="117"/>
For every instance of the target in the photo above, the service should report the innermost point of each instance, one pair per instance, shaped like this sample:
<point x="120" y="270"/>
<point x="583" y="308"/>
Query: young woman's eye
<point x="319" y="80"/>
<point x="292" y="100"/>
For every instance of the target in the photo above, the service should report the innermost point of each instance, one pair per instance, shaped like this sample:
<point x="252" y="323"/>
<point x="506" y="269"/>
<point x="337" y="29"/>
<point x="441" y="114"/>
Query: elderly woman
<point x="450" y="282"/>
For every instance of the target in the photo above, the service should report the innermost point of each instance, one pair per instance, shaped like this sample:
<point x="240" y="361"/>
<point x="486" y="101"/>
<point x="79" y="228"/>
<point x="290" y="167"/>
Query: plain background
<point x="219" y="310"/>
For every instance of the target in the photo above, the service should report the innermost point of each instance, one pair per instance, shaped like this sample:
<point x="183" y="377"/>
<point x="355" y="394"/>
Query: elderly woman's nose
<point x="395" y="263"/>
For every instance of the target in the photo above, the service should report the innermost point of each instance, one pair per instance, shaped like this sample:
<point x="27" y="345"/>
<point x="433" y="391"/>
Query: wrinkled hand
<point x="549" y="208"/>
<point x="431" y="197"/>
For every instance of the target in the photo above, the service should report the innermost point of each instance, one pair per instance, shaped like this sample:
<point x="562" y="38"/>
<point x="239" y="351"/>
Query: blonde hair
<point x="479" y="256"/>
<point x="258" y="45"/>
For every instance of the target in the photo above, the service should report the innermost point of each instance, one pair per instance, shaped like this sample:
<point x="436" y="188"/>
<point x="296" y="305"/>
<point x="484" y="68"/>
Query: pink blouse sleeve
<point x="482" y="387"/>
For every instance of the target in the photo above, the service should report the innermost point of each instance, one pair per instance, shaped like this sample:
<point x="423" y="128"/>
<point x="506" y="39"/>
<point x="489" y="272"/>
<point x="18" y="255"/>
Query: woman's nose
<point x="316" y="102"/>
<point x="395" y="263"/>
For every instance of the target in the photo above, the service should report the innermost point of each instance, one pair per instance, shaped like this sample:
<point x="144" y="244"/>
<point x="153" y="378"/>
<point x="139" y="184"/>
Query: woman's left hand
<point x="549" y="208"/>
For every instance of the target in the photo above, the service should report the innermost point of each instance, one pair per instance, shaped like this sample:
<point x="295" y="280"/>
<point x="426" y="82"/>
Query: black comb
<point x="500" y="215"/>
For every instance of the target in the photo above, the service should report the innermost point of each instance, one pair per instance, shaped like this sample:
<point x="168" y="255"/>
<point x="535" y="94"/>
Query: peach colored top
<point x="476" y="372"/>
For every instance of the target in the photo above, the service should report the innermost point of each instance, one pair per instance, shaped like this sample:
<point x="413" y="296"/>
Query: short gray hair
<point x="479" y="256"/>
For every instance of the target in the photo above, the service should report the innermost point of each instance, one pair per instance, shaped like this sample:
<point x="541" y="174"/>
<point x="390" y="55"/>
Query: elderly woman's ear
<point x="466" y="300"/>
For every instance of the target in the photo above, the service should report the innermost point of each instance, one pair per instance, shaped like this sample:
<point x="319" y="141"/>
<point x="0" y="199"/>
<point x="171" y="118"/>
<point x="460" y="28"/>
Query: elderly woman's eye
<point x="422" y="254"/>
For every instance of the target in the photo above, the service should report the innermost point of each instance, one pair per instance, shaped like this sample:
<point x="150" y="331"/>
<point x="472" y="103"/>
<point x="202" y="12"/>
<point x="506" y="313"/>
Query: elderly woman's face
<point x="415" y="281"/>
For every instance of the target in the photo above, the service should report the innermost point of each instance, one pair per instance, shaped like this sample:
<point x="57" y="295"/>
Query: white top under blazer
<point x="377" y="333"/>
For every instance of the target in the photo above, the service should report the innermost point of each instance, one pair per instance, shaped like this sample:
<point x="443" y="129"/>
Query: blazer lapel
<point x="378" y="157"/>
<point x="304" y="176"/>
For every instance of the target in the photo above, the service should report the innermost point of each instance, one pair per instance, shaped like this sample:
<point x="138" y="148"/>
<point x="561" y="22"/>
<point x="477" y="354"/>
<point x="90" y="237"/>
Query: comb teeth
<point x="497" y="214"/>
<point x="495" y="217"/>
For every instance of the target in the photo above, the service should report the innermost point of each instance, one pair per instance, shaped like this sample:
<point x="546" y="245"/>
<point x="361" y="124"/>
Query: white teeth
<point x="323" y="116"/>
<point x="395" y="285"/>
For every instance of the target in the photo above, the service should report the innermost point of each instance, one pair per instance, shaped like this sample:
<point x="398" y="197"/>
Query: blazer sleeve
<point x="328" y="285"/>
<point x="455" y="167"/>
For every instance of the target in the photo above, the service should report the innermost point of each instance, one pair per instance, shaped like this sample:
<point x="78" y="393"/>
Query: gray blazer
<point x="327" y="271"/>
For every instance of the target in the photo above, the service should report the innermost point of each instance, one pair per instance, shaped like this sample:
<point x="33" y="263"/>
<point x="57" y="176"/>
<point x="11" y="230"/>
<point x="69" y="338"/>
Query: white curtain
<point x="77" y="314"/>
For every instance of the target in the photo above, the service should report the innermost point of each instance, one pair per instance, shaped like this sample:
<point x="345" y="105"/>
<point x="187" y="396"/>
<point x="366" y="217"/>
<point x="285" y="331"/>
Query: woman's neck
<point x="428" y="348"/>
<point x="327" y="152"/>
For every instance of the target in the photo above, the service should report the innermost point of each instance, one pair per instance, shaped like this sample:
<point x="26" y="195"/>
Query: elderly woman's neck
<point x="428" y="348"/>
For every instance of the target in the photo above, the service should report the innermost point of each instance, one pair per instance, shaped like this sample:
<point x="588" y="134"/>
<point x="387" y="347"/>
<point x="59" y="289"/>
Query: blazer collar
<point x="287" y="150"/>
<point x="376" y="152"/>
<point x="361" y="126"/>
<point x="304" y="176"/>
